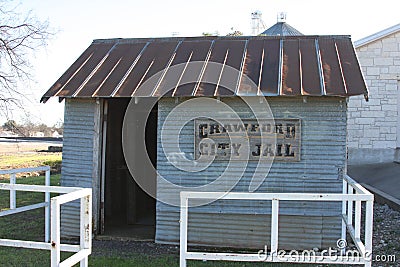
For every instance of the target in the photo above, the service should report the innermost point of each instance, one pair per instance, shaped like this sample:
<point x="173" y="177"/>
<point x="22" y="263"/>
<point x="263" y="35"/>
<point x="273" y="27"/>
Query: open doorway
<point x="129" y="212"/>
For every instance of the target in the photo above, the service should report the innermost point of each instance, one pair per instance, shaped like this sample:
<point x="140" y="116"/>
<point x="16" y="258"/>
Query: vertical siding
<point x="80" y="160"/>
<point x="245" y="223"/>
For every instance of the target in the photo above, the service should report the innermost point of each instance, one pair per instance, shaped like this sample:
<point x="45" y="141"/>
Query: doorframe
<point x="103" y="165"/>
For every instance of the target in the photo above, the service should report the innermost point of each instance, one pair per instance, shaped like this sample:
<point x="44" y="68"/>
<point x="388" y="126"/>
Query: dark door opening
<point x="128" y="211"/>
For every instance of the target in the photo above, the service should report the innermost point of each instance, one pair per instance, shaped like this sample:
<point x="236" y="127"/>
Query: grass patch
<point x="27" y="225"/>
<point x="25" y="160"/>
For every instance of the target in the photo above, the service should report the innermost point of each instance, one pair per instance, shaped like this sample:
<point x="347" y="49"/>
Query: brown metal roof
<point x="278" y="66"/>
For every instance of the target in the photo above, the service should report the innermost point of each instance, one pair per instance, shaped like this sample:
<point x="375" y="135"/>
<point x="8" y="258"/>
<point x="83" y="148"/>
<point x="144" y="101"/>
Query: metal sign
<point x="228" y="141"/>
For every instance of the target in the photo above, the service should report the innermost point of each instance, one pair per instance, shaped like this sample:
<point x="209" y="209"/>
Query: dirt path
<point x="11" y="146"/>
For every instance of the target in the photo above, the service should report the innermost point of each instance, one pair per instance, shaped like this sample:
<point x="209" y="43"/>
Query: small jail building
<point x="306" y="81"/>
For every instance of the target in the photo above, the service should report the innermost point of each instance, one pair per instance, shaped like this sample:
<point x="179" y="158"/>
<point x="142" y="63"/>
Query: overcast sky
<point x="79" y="22"/>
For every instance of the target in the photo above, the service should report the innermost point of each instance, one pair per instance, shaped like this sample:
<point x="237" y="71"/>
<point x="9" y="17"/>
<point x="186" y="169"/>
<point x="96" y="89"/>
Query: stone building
<point x="374" y="126"/>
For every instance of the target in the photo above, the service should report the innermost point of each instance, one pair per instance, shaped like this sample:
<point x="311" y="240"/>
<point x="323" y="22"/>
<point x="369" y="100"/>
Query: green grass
<point x="24" y="226"/>
<point x="29" y="223"/>
<point x="24" y="160"/>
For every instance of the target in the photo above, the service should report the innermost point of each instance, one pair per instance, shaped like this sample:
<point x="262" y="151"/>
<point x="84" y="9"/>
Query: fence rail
<point x="52" y="217"/>
<point x="352" y="193"/>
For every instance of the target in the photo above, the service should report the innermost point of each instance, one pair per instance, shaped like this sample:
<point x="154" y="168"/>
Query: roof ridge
<point x="202" y="38"/>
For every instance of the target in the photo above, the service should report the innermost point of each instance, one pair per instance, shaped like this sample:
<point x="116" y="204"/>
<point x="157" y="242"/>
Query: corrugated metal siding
<point x="323" y="152"/>
<point x="79" y="163"/>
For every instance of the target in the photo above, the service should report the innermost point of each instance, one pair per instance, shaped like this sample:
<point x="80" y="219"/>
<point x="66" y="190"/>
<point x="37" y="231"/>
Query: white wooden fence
<point x="52" y="217"/>
<point x="353" y="193"/>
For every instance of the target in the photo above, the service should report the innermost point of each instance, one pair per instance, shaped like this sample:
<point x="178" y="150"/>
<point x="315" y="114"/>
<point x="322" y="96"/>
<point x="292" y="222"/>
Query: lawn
<point x="24" y="160"/>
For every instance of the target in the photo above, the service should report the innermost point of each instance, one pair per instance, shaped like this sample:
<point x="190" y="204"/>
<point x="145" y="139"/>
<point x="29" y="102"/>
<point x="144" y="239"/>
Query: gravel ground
<point x="386" y="241"/>
<point x="386" y="237"/>
<point x="110" y="248"/>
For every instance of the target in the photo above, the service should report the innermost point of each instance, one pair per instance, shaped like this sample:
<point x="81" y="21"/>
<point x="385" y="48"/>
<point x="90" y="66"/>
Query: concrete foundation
<point x="397" y="155"/>
<point x="357" y="156"/>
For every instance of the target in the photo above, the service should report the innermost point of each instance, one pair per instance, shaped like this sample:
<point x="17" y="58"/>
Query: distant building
<point x="281" y="28"/>
<point x="374" y="126"/>
<point x="37" y="134"/>
<point x="56" y="134"/>
<point x="7" y="134"/>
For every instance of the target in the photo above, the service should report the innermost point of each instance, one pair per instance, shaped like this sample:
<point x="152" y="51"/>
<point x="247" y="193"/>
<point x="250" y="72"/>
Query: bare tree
<point x="20" y="36"/>
<point x="234" y="32"/>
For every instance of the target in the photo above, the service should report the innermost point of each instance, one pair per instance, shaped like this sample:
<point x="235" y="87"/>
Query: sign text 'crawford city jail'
<point x="228" y="140"/>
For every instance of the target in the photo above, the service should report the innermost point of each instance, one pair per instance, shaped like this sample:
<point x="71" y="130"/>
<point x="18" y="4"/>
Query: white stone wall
<point x="372" y="126"/>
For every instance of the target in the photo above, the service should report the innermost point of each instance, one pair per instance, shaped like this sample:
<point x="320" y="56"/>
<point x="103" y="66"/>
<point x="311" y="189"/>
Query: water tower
<point x="257" y="24"/>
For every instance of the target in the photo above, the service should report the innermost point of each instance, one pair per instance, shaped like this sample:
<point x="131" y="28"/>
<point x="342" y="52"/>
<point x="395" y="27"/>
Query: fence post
<point x="13" y="201"/>
<point x="344" y="206"/>
<point x="350" y="206"/>
<point x="85" y="227"/>
<point x="55" y="233"/>
<point x="274" y="227"/>
<point x="183" y="232"/>
<point x="47" y="208"/>
<point x="369" y="213"/>
<point x="357" y="220"/>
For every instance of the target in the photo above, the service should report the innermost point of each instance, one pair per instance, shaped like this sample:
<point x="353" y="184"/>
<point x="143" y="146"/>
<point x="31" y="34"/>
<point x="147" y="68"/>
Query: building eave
<point x="376" y="36"/>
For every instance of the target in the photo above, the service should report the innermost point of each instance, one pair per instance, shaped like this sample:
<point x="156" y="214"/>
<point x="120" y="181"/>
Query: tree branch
<point x="20" y="36"/>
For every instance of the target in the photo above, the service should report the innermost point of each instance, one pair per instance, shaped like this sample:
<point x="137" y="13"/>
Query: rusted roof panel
<point x="113" y="59"/>
<point x="350" y="68"/>
<point x="193" y="70"/>
<point x="214" y="66"/>
<point x="154" y="59"/>
<point x="331" y="68"/>
<point x="173" y="75"/>
<point x="229" y="78"/>
<point x="216" y="76"/>
<point x="291" y="74"/>
<point x="251" y="68"/>
<point x="270" y="77"/>
<point x="310" y="76"/>
<point x="119" y="70"/>
<point x="59" y="87"/>
<point x="79" y="78"/>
